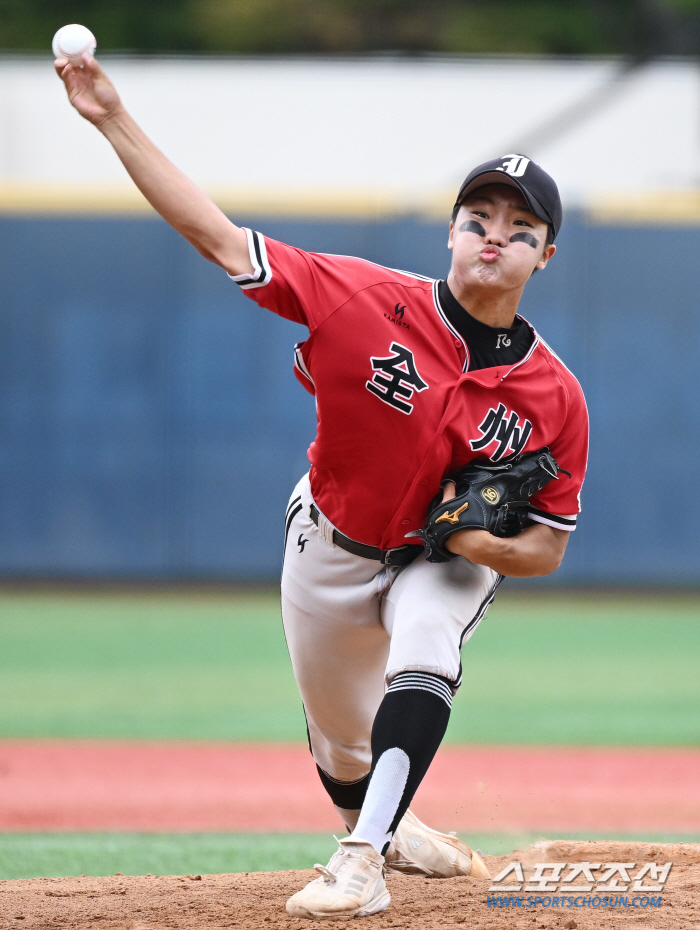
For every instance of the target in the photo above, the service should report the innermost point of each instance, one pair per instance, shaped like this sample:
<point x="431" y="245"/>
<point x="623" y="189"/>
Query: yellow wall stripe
<point x="125" y="200"/>
<point x="655" y="208"/>
<point x="648" y="208"/>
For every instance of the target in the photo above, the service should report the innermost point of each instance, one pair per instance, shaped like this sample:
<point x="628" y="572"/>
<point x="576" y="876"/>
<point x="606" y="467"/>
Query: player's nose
<point x="496" y="235"/>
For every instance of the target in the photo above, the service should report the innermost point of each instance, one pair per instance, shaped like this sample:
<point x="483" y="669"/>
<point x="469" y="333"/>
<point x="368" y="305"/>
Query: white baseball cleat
<point x="351" y="885"/>
<point x="417" y="850"/>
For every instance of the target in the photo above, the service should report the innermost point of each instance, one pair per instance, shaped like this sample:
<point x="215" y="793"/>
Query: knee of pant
<point x="417" y="648"/>
<point x="342" y="763"/>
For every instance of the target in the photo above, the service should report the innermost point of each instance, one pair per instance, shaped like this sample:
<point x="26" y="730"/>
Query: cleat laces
<point x="339" y="860"/>
<point x="326" y="873"/>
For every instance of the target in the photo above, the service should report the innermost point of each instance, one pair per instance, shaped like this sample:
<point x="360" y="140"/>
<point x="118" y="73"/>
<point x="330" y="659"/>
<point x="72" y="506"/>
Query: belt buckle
<point x="386" y="557"/>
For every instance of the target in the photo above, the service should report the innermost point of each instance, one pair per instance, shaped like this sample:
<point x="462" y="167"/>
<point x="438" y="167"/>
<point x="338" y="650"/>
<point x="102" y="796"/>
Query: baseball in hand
<point x="72" y="42"/>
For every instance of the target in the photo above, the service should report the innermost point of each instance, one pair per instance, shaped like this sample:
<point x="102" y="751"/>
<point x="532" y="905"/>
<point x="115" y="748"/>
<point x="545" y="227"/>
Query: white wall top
<point x="358" y="135"/>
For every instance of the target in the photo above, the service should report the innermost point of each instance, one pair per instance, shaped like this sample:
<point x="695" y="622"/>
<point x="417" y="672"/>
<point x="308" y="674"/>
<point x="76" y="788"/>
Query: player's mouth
<point x="490" y="254"/>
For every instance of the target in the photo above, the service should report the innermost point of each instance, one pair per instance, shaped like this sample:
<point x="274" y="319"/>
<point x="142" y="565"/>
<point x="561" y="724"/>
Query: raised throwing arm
<point x="178" y="200"/>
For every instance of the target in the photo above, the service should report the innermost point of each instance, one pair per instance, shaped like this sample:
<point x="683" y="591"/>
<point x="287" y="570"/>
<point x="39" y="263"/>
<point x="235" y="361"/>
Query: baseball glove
<point x="489" y="496"/>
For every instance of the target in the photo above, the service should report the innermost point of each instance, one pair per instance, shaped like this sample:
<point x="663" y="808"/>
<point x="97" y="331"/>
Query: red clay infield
<point x="90" y="785"/>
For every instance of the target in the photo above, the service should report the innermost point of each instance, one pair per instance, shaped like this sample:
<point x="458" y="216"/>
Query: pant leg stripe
<point x="476" y="619"/>
<point x="291" y="504"/>
<point x="290" y="518"/>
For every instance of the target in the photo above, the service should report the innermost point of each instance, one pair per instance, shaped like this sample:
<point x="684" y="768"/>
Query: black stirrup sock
<point x="408" y="729"/>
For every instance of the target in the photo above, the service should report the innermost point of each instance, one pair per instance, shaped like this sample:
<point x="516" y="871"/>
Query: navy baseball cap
<point x="538" y="188"/>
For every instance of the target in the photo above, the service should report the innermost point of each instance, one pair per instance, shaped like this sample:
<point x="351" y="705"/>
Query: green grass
<point x="151" y="666"/>
<point x="34" y="855"/>
<point x="31" y="855"/>
<point x="544" y="669"/>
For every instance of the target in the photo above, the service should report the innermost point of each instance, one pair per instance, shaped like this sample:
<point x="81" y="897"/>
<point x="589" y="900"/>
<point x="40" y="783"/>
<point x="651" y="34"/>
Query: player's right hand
<point x="89" y="89"/>
<point x="449" y="491"/>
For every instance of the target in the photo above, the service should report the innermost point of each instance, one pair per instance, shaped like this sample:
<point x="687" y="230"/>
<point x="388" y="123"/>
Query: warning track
<point x="142" y="786"/>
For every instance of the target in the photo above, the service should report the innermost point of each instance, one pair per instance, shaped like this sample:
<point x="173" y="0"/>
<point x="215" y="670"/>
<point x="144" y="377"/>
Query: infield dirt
<point x="256" y="900"/>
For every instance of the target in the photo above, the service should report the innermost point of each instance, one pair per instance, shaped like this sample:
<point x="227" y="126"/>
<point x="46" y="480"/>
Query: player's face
<point x="496" y="241"/>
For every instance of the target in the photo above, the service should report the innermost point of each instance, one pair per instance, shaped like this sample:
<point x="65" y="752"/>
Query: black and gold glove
<point x="489" y="496"/>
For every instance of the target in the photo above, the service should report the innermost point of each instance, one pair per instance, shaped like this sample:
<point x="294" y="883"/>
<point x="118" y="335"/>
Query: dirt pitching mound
<point x="256" y="900"/>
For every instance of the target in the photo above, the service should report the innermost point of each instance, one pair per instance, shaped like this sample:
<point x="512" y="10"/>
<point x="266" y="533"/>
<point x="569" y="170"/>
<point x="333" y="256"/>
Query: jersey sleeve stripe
<point x="558" y="521"/>
<point x="262" y="273"/>
<point x="300" y="364"/>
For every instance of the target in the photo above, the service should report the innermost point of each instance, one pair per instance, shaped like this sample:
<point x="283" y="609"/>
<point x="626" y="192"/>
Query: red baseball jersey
<point x="398" y="409"/>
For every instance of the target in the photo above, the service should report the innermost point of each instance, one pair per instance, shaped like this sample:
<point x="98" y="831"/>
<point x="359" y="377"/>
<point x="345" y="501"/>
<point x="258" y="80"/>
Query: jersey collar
<point x="493" y="375"/>
<point x="443" y="316"/>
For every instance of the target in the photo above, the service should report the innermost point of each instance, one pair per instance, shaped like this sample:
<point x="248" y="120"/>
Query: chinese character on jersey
<point x="505" y="430"/>
<point x="396" y="378"/>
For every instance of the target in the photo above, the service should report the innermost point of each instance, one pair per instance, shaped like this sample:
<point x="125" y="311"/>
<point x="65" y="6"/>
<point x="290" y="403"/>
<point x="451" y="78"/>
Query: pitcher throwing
<point x="414" y="379"/>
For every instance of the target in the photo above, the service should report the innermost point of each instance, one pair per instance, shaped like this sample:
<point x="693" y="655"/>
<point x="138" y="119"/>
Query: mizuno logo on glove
<point x="448" y="517"/>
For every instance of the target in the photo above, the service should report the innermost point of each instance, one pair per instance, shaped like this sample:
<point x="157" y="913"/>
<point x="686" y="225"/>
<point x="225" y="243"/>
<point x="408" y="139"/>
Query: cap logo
<point x="514" y="165"/>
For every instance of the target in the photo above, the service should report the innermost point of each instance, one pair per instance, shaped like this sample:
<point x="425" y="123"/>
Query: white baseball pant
<point x="352" y="624"/>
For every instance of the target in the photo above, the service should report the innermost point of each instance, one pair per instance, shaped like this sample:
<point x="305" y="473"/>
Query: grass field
<point x="28" y="855"/>
<point x="554" y="669"/>
<point x="549" y="669"/>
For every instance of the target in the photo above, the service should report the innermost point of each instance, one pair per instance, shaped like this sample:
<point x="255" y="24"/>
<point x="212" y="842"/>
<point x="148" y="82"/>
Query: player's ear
<point x="451" y="238"/>
<point x="546" y="255"/>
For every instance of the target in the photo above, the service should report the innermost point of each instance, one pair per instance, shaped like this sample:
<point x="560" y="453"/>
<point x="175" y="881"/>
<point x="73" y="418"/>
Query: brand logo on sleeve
<point x="396" y="378"/>
<point x="505" y="430"/>
<point x="396" y="315"/>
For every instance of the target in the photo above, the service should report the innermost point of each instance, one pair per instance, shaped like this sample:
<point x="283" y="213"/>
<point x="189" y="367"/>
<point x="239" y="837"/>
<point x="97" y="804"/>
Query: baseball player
<point x="413" y="380"/>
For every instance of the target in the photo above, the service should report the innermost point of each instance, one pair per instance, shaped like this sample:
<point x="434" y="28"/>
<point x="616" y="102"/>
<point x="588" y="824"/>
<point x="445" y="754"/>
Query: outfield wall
<point x="152" y="427"/>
